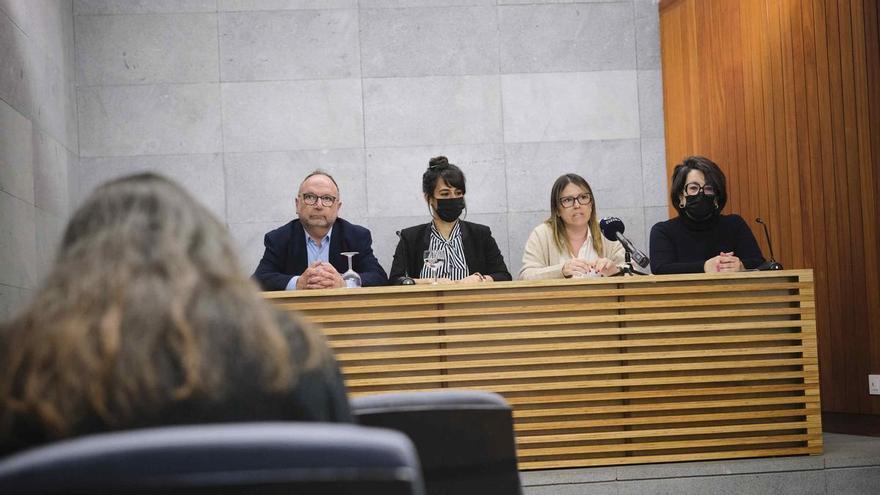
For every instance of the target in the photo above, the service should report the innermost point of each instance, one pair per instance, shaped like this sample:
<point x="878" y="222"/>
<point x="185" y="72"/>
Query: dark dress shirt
<point x="480" y="251"/>
<point x="683" y="246"/>
<point x="286" y="255"/>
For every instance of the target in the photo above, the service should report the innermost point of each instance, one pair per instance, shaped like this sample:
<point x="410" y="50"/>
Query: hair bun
<point x="438" y="162"/>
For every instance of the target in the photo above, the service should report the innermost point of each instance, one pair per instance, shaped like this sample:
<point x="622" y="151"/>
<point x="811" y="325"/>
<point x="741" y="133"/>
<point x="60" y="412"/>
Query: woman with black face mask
<point x="700" y="238"/>
<point x="471" y="254"/>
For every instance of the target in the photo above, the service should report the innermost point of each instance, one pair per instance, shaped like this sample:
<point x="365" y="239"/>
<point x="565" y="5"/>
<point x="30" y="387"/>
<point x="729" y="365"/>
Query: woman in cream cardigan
<point x="569" y="243"/>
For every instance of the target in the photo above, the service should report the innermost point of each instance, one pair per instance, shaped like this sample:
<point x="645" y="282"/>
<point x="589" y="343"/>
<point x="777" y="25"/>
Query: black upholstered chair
<point x="464" y="439"/>
<point x="253" y="458"/>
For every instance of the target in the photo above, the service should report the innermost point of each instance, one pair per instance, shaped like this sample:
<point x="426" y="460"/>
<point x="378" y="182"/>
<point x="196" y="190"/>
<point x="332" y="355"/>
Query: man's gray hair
<point x="319" y="172"/>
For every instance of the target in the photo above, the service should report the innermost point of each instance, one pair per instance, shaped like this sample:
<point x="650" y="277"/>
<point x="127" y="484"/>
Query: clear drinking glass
<point x="350" y="277"/>
<point x="434" y="259"/>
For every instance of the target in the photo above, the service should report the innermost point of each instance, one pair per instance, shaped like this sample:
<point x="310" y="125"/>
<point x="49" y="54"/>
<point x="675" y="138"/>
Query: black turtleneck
<point x="681" y="245"/>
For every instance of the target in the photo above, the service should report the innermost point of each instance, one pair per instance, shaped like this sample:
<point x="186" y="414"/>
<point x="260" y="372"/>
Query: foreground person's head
<point x="146" y="307"/>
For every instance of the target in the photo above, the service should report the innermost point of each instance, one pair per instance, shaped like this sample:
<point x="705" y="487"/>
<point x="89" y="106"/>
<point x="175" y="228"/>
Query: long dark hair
<point x="146" y="305"/>
<point x="555" y="221"/>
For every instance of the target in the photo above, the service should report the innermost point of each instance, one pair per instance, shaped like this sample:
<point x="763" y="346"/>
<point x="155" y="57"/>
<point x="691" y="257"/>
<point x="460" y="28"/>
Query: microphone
<point x="405" y="279"/>
<point x="612" y="229"/>
<point x="772" y="264"/>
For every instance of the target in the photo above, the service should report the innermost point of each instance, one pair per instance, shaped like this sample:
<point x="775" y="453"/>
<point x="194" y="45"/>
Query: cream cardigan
<point x="542" y="259"/>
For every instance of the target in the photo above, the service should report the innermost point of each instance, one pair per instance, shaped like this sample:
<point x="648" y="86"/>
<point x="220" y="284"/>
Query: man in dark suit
<point x="305" y="253"/>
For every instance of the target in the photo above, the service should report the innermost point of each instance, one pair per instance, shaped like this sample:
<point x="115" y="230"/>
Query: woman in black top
<point x="701" y="239"/>
<point x="147" y="319"/>
<point x="472" y="255"/>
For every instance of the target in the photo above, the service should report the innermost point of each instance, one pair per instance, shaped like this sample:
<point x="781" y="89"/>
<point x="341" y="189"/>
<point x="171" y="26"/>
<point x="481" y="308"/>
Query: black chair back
<point x="464" y="439"/>
<point x="253" y="458"/>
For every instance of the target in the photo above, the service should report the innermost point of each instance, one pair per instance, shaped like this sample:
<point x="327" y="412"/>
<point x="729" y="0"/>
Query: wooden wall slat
<point x="390" y="328"/>
<point x="522" y="361"/>
<point x="848" y="174"/>
<point x="651" y="445"/>
<point x="807" y="132"/>
<point x="493" y="337"/>
<point x="615" y="383"/>
<point x="750" y="142"/>
<point x="537" y="310"/>
<point x="829" y="202"/>
<point x="777" y="185"/>
<point x="666" y="457"/>
<point x="840" y="220"/>
<point x="787" y="101"/>
<point x="661" y="432"/>
<point x="755" y="11"/>
<point x="679" y="407"/>
<point x="757" y="390"/>
<point x="793" y="200"/>
<point x="533" y="374"/>
<point x="872" y="208"/>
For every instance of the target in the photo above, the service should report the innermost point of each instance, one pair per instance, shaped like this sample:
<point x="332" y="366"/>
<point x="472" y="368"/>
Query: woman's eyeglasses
<point x="584" y="199"/>
<point x="693" y="188"/>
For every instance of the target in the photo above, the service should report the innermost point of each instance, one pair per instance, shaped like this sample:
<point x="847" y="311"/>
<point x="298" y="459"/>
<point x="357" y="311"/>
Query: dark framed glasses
<point x="584" y="199"/>
<point x="693" y="188"/>
<point x="312" y="199"/>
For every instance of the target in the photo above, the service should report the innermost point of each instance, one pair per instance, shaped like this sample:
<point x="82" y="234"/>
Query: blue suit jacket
<point x="286" y="254"/>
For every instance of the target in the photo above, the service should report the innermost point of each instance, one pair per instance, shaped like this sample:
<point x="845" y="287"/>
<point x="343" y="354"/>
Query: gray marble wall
<point x="38" y="140"/>
<point x="239" y="99"/>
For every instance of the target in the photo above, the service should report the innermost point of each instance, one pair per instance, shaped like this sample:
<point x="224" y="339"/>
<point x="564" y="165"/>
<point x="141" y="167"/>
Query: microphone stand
<point x="772" y="264"/>
<point x="612" y="229"/>
<point x="626" y="268"/>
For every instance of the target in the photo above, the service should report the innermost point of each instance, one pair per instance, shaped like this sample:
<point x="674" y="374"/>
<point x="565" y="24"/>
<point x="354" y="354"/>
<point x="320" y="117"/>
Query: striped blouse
<point x="455" y="267"/>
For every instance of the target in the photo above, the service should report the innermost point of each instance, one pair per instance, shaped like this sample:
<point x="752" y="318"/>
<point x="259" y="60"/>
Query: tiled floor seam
<point x="744" y="473"/>
<point x="718" y="475"/>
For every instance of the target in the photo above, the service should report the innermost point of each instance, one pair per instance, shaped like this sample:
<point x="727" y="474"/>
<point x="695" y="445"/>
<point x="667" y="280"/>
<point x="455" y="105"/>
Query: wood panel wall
<point x="785" y="96"/>
<point x="620" y="370"/>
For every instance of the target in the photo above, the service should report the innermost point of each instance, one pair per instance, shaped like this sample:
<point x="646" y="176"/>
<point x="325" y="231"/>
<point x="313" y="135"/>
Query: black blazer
<point x="286" y="254"/>
<point x="480" y="251"/>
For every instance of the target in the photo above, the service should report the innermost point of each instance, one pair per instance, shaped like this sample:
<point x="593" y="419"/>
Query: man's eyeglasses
<point x="312" y="199"/>
<point x="584" y="199"/>
<point x="693" y="188"/>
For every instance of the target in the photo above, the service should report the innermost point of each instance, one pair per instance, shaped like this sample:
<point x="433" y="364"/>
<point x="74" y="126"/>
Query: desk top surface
<point x="805" y="275"/>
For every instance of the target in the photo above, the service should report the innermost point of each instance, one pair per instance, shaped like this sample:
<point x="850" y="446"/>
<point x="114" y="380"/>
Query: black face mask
<point x="700" y="208"/>
<point x="449" y="209"/>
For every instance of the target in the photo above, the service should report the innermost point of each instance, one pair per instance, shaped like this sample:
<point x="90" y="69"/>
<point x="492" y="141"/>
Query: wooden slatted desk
<point x="622" y="370"/>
